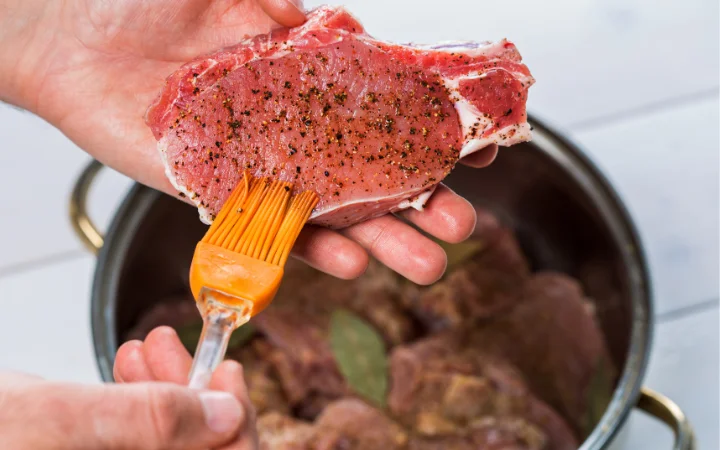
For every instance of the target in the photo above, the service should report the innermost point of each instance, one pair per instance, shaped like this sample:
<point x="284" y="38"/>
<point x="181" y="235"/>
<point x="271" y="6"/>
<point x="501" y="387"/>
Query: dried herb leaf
<point x="600" y="391"/>
<point x="360" y="354"/>
<point x="459" y="253"/>
<point x="190" y="335"/>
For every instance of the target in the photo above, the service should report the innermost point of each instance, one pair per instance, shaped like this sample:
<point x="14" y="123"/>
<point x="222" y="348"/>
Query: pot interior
<point x="564" y="215"/>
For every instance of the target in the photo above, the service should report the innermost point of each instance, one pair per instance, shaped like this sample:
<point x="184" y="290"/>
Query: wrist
<point x="28" y="30"/>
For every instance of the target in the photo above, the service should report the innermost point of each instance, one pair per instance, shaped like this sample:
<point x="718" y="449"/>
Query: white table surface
<point x="634" y="82"/>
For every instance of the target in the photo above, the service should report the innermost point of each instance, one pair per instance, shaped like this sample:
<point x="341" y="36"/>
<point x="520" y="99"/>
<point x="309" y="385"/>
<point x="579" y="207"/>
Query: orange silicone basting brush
<point x="238" y="265"/>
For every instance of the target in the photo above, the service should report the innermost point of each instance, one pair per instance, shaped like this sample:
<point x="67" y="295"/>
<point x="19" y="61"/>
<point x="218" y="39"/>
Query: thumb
<point x="138" y="416"/>
<point x="288" y="13"/>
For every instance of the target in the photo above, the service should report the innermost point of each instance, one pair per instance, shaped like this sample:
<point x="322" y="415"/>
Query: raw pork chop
<point x="371" y="127"/>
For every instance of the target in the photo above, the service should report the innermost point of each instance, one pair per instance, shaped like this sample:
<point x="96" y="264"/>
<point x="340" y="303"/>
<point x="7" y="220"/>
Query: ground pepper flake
<point x="340" y="98"/>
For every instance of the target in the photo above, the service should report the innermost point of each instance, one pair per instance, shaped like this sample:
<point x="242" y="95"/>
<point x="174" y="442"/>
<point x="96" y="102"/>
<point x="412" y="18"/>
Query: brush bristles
<point x="260" y="220"/>
<point x="299" y="212"/>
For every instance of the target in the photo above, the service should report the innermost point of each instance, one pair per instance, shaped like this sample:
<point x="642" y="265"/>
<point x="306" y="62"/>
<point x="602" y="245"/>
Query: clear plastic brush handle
<point x="220" y="319"/>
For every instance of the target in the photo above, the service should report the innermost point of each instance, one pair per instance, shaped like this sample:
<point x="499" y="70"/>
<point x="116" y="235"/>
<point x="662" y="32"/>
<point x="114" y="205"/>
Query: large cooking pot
<point x="566" y="215"/>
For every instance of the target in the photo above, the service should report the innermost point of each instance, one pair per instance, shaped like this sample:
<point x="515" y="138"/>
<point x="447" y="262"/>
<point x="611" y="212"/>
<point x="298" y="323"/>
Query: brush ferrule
<point x="239" y="277"/>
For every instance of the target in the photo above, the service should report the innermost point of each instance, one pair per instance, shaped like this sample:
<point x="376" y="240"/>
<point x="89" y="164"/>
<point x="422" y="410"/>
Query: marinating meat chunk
<point x="553" y="338"/>
<point x="441" y="385"/>
<point x="484" y="285"/>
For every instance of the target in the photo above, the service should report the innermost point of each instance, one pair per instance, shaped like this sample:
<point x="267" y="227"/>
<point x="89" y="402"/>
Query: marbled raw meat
<point x="371" y="127"/>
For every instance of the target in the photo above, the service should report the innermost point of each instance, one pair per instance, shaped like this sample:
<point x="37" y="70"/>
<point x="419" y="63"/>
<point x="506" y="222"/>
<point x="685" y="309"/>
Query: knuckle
<point x="379" y="237"/>
<point x="166" y="423"/>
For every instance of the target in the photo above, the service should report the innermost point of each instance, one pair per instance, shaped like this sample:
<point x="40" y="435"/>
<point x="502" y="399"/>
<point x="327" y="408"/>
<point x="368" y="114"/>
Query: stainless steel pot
<point x="566" y="214"/>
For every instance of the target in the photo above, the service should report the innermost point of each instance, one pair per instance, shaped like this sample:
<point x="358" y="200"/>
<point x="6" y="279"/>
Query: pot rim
<point x="550" y="140"/>
<point x="628" y="389"/>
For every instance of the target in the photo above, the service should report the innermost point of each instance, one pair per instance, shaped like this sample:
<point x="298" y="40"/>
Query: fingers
<point x="400" y="247"/>
<point x="13" y="378"/>
<point x="140" y="416"/>
<point x="288" y="13"/>
<point x="447" y="216"/>
<point x="229" y="377"/>
<point x="166" y="356"/>
<point x="162" y="357"/>
<point x="130" y="365"/>
<point x="331" y="252"/>
<point x="481" y="158"/>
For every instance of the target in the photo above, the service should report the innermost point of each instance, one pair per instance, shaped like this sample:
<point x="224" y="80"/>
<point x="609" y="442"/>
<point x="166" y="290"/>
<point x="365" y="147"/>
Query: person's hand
<point x="163" y="358"/>
<point x="155" y="413"/>
<point x="92" y="67"/>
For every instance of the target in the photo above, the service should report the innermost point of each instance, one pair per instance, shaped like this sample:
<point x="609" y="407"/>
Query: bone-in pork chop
<point x="371" y="127"/>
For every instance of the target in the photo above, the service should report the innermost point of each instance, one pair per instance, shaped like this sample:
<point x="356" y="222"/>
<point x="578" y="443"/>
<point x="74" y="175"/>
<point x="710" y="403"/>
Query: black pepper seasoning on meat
<point x="340" y="98"/>
<point x="388" y="124"/>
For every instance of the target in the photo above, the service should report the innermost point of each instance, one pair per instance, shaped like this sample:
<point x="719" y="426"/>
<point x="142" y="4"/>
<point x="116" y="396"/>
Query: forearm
<point x="27" y="31"/>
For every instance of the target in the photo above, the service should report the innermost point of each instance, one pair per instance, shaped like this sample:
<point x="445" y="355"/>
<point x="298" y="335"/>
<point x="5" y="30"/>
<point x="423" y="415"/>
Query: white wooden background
<point x="634" y="82"/>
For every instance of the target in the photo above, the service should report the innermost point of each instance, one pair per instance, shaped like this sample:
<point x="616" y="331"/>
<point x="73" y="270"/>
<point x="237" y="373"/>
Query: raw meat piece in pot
<point x="553" y="338"/>
<point x="441" y="385"/>
<point x="485" y="285"/>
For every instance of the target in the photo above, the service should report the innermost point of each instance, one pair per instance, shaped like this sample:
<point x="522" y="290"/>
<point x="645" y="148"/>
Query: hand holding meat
<point x="92" y="68"/>
<point x="164" y="414"/>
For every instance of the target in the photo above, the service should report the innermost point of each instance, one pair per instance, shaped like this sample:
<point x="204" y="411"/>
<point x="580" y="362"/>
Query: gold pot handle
<point x="83" y="226"/>
<point x="664" y="409"/>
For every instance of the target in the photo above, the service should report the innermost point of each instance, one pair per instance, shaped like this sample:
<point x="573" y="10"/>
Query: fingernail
<point x="298" y="4"/>
<point x="223" y="412"/>
<point x="168" y="331"/>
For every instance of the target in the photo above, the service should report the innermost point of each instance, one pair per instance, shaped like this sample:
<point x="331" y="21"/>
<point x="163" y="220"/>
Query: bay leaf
<point x="360" y="354"/>
<point x="461" y="252"/>
<point x="189" y="335"/>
